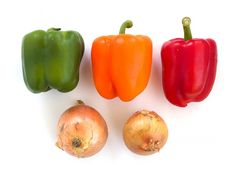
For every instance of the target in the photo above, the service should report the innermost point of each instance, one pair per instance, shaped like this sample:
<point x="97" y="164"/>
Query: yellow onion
<point x="145" y="132"/>
<point x="82" y="131"/>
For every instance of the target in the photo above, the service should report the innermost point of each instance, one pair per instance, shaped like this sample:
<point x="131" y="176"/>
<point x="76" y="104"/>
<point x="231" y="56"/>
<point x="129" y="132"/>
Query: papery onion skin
<point x="82" y="131"/>
<point x="145" y="132"/>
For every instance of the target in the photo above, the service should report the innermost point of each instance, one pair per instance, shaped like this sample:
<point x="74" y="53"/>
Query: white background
<point x="201" y="139"/>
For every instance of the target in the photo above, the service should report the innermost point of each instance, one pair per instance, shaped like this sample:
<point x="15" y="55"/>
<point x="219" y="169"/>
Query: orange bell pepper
<point x="121" y="64"/>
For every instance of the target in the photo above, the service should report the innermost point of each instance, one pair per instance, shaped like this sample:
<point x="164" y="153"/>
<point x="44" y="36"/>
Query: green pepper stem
<point x="54" y="29"/>
<point x="126" y="24"/>
<point x="186" y="26"/>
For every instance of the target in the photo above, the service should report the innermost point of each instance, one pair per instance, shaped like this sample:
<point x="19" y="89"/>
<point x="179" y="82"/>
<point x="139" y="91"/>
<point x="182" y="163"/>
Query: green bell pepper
<point x="51" y="60"/>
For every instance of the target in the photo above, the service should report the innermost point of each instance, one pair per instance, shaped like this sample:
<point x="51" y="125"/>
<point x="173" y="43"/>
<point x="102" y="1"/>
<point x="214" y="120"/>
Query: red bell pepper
<point x="188" y="67"/>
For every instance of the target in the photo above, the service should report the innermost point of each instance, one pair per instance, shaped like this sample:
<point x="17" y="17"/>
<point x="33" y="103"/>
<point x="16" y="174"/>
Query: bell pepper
<point x="189" y="67"/>
<point x="51" y="59"/>
<point x="121" y="64"/>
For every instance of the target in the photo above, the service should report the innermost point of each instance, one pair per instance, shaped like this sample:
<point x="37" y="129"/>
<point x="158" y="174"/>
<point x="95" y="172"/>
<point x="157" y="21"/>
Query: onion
<point x="82" y="131"/>
<point x="145" y="132"/>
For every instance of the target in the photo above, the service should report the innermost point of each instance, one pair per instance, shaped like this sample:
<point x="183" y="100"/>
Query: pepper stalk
<point x="186" y="21"/>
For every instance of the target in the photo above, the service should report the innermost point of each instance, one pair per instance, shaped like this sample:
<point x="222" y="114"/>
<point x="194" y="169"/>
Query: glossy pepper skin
<point x="51" y="60"/>
<point x="121" y="64"/>
<point x="188" y="67"/>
